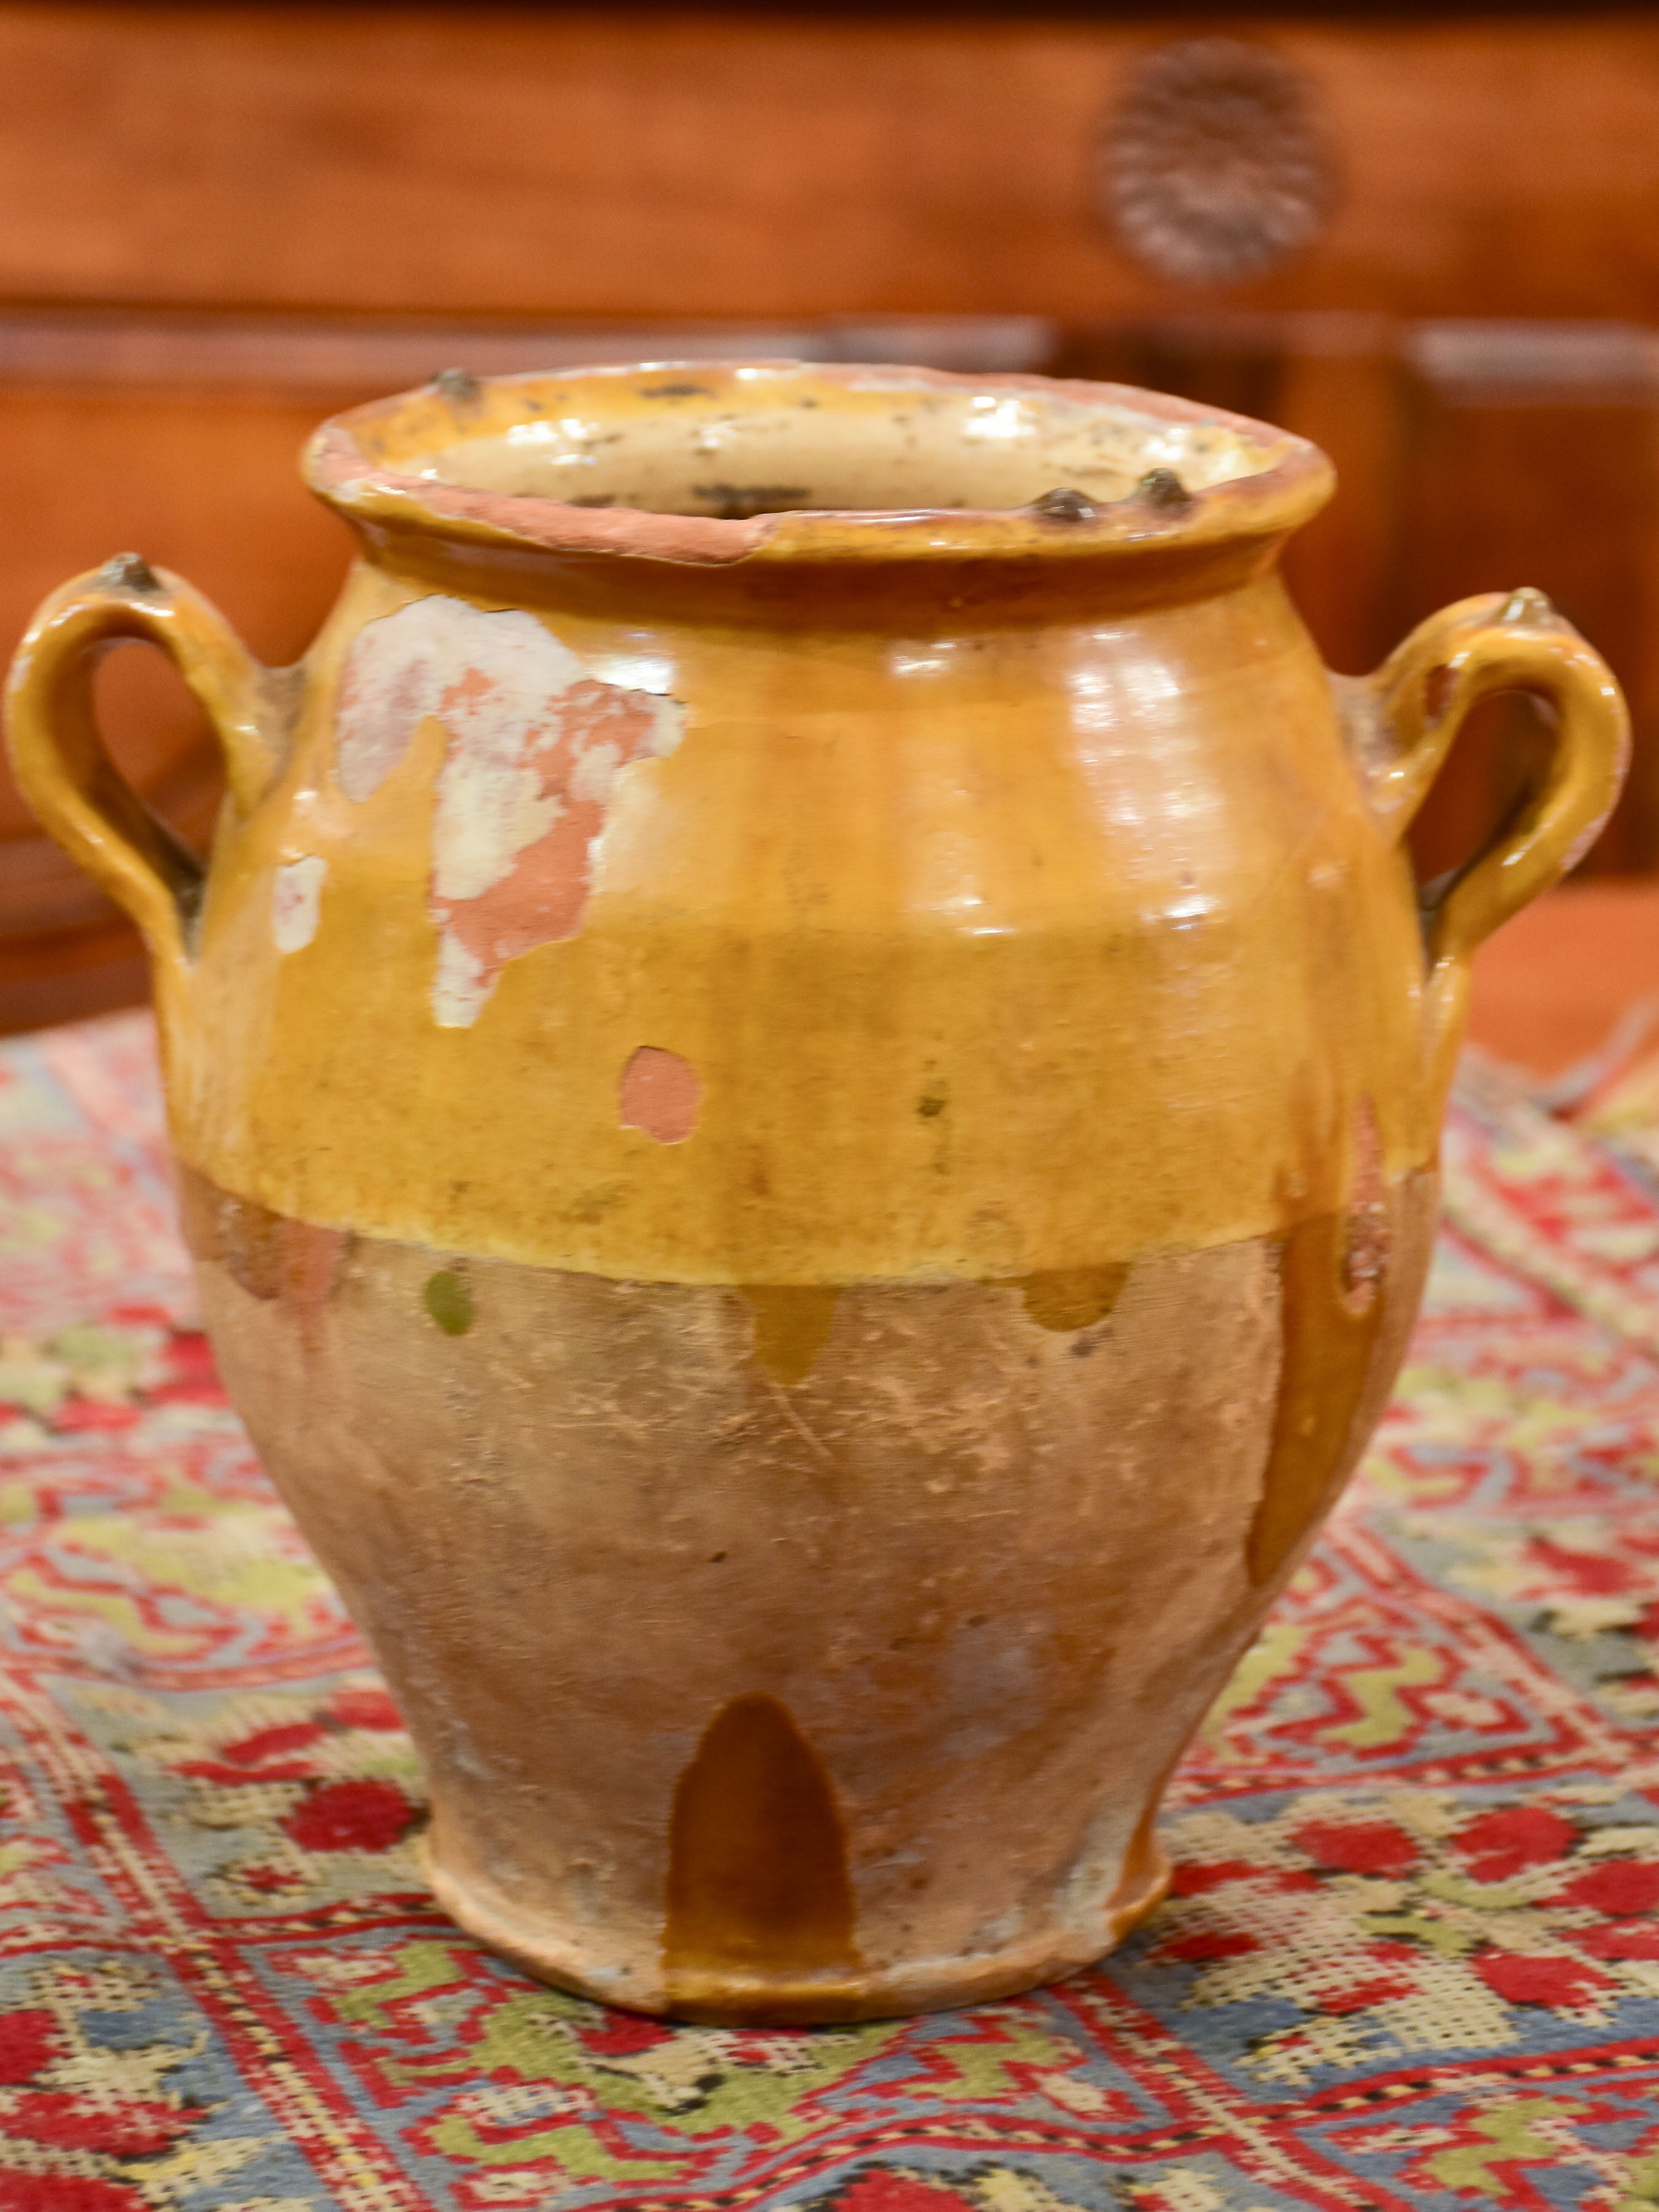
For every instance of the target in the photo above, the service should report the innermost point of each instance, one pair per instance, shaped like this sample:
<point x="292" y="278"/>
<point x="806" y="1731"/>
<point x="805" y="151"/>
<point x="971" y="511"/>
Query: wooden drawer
<point x="218" y="224"/>
<point x="658" y="163"/>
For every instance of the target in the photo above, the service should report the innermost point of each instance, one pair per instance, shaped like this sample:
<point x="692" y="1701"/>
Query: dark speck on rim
<point x="1063" y="505"/>
<point x="1163" y="488"/>
<point x="738" y="502"/>
<point x="128" y="572"/>
<point x="456" y="385"/>
<point x="675" y="391"/>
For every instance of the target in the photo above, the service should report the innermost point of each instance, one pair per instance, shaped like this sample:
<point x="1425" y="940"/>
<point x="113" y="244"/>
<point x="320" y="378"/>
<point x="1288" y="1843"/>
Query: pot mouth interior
<point x="746" y="439"/>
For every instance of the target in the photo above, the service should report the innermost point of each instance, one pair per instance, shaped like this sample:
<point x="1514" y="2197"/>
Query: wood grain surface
<point x="218" y="223"/>
<point x="627" y="162"/>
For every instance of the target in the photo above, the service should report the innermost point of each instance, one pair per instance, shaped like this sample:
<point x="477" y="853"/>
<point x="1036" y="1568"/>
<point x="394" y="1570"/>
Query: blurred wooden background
<point x="219" y="223"/>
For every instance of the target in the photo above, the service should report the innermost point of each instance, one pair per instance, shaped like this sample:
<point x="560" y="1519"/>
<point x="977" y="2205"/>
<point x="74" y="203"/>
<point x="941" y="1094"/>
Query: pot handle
<point x="59" y="759"/>
<point x="1410" y="711"/>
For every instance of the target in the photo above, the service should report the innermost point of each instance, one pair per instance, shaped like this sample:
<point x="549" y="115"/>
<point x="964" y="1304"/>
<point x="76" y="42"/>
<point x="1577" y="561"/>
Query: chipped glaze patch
<point x="660" y="1094"/>
<point x="296" y="901"/>
<point x="534" y="746"/>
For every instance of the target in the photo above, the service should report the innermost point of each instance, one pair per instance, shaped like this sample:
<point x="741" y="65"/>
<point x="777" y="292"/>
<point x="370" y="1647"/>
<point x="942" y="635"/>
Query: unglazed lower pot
<point x="806" y="1082"/>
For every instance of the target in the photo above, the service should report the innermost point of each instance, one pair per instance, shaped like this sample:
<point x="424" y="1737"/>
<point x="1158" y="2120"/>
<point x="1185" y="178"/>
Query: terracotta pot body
<point x="807" y="1088"/>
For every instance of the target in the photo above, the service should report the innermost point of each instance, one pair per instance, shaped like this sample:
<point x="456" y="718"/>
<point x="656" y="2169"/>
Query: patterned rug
<point x="1411" y="1957"/>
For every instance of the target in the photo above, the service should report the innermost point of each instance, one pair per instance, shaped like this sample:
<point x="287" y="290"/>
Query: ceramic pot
<point x="805" y="1081"/>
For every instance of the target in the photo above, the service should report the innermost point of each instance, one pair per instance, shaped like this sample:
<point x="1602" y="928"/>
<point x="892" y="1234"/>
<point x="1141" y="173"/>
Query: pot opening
<point x="775" y="438"/>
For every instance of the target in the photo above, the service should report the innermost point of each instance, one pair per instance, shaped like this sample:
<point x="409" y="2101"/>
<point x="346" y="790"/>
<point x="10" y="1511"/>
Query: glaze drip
<point x="757" y="1858"/>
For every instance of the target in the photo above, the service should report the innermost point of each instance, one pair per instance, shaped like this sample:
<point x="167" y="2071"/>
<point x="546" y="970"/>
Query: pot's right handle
<point x="1411" y="710"/>
<point x="69" y="779"/>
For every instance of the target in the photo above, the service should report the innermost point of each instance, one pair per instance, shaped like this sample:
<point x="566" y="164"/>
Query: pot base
<point x="992" y="1550"/>
<point x="553" y="1953"/>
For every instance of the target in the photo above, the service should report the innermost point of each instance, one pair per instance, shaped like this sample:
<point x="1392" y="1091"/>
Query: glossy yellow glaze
<point x="852" y="1093"/>
<point x="1017" y="891"/>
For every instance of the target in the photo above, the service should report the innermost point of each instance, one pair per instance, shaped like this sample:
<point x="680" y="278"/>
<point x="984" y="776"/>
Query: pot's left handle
<point x="1404" y="720"/>
<point x="58" y="757"/>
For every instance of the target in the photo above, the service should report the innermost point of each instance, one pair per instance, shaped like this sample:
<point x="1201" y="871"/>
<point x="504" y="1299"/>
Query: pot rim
<point x="357" y="463"/>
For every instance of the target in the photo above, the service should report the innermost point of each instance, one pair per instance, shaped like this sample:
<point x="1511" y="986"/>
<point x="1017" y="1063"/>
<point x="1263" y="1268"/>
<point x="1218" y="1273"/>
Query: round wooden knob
<point x="1216" y="163"/>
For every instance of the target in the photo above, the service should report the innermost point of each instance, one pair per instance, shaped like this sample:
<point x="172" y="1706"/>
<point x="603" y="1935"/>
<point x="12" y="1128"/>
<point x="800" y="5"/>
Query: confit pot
<point x="806" y="1084"/>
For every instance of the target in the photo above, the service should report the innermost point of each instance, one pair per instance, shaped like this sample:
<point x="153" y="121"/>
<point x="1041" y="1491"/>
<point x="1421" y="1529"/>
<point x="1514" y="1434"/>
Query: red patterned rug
<point x="1411" y="1957"/>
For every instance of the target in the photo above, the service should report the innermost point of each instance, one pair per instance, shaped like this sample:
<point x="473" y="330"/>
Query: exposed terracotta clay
<point x="807" y="1078"/>
<point x="267" y="1254"/>
<point x="533" y="746"/>
<point x="659" y="1093"/>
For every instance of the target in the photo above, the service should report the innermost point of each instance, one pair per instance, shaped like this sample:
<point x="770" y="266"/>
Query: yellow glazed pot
<point x="806" y="1082"/>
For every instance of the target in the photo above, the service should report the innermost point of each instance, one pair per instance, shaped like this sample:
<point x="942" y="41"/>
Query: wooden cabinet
<point x="219" y="223"/>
